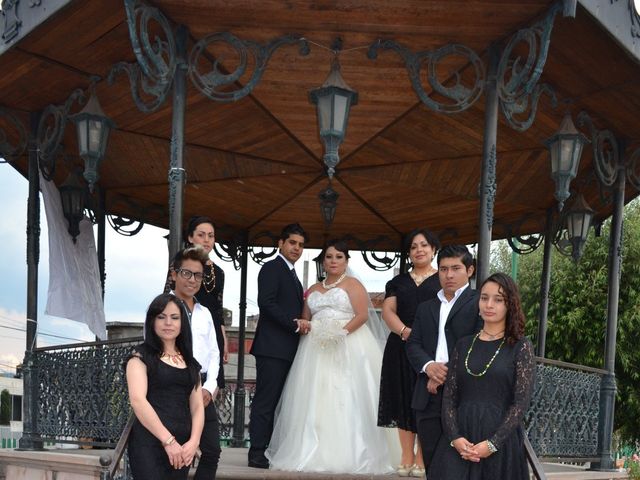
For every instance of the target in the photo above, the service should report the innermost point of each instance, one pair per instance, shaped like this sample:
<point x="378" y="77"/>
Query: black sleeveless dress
<point x="488" y="407"/>
<point x="397" y="377"/>
<point x="168" y="393"/>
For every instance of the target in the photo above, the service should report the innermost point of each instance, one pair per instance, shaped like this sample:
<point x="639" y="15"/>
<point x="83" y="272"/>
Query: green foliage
<point x="578" y="310"/>
<point x="5" y="407"/>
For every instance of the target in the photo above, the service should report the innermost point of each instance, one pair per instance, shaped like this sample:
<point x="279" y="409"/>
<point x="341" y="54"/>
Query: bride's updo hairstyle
<point x="339" y="245"/>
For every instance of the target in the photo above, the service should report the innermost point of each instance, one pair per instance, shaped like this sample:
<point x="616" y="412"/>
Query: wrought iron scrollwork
<point x="90" y="406"/>
<point x="518" y="87"/>
<point x="125" y="226"/>
<point x="633" y="169"/>
<point x="562" y="420"/>
<point x="380" y="261"/>
<point x="261" y="254"/>
<point x="459" y="96"/>
<point x="228" y="252"/>
<point x="212" y="83"/>
<point x="606" y="151"/>
<point x="11" y="150"/>
<point x="519" y="243"/>
<point x="156" y="61"/>
<point x="51" y="127"/>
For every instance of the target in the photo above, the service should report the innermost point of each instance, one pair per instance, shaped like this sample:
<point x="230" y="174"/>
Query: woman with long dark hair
<point x="403" y="294"/>
<point x="163" y="379"/>
<point x="489" y="385"/>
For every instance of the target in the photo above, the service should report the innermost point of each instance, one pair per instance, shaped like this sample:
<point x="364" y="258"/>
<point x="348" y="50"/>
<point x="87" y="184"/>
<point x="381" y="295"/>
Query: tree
<point x="578" y="310"/>
<point x="5" y="407"/>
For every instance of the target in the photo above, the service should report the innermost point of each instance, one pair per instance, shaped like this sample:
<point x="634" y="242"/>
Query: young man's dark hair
<point x="456" y="251"/>
<point x="293" y="229"/>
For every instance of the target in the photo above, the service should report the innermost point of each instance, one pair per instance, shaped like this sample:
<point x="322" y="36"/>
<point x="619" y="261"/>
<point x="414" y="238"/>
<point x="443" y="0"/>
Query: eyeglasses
<point x="187" y="274"/>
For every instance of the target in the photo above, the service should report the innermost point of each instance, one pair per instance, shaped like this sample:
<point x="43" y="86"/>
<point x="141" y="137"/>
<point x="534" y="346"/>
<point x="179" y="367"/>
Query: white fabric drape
<point x="74" y="292"/>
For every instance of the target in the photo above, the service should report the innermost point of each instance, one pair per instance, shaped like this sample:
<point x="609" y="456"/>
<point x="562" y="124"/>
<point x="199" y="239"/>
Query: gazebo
<point x="444" y="114"/>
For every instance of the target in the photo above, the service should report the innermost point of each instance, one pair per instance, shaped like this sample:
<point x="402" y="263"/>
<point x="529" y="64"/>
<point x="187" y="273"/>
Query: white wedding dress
<point x="326" y="420"/>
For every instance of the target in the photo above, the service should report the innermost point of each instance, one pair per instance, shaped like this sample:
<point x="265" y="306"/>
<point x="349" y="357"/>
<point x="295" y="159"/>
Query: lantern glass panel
<point x="566" y="155"/>
<point x="324" y="112"/>
<point x="95" y="136"/>
<point x="339" y="112"/>
<point x="83" y="142"/>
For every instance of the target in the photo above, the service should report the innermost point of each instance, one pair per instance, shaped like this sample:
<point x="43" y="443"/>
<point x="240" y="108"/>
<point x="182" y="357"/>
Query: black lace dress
<point x="397" y="378"/>
<point x="489" y="407"/>
<point x="168" y="391"/>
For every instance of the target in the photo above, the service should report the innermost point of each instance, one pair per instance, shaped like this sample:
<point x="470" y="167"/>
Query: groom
<point x="277" y="335"/>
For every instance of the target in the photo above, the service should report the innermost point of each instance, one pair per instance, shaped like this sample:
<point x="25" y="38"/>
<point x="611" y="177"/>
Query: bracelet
<point x="491" y="447"/>
<point x="404" y="327"/>
<point x="169" y="441"/>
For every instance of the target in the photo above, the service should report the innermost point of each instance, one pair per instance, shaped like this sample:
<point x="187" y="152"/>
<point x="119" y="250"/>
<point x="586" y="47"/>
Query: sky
<point x="135" y="273"/>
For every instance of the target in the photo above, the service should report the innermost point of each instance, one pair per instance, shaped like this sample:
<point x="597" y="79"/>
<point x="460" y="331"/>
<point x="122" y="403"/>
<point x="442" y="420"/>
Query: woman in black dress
<point x="487" y="392"/>
<point x="201" y="231"/>
<point x="164" y="390"/>
<point x="403" y="295"/>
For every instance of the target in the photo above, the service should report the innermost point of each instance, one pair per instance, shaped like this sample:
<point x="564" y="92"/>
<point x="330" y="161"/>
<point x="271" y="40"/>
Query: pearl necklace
<point x="329" y="286"/>
<point x="466" y="360"/>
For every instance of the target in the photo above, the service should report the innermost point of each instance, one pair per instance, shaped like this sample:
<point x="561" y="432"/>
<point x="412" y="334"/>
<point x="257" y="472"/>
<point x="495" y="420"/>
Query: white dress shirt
<point x="442" y="351"/>
<point x="205" y="345"/>
<point x="292" y="268"/>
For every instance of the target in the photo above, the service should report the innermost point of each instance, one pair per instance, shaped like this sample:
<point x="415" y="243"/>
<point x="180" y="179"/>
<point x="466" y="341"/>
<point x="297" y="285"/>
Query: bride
<point x="326" y="420"/>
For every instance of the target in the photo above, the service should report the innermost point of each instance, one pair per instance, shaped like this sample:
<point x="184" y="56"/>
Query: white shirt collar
<point x="289" y="264"/>
<point x="443" y="299"/>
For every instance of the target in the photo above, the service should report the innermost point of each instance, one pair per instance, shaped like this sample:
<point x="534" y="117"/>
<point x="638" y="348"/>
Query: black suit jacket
<point x="463" y="320"/>
<point x="280" y="302"/>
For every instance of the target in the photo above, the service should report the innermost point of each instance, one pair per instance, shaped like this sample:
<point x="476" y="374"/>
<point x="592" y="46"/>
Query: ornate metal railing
<point x="82" y="398"/>
<point x="563" y="418"/>
<point x="81" y="391"/>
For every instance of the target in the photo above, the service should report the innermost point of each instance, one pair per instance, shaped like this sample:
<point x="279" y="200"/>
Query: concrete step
<point x="81" y="464"/>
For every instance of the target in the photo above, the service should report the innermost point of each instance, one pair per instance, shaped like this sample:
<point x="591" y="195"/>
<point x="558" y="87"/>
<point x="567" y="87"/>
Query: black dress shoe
<point x="257" y="459"/>
<point x="259" y="464"/>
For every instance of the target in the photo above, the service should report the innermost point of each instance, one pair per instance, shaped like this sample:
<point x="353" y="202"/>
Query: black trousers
<point x="429" y="423"/>
<point x="209" y="445"/>
<point x="271" y="373"/>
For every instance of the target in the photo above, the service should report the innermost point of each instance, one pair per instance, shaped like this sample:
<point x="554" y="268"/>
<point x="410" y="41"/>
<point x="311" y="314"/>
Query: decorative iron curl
<point x="11" y="152"/>
<point x="519" y="243"/>
<point x="633" y="169"/>
<point x="121" y="225"/>
<point x="156" y="60"/>
<point x="520" y="92"/>
<point x="209" y="83"/>
<point x="461" y="96"/>
<point x="260" y="255"/>
<point x="606" y="152"/>
<point x="378" y="262"/>
<point x="51" y="129"/>
<point x="228" y="252"/>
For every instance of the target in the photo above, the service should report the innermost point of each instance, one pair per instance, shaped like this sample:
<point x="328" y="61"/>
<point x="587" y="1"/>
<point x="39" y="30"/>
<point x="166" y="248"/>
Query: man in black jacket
<point x="277" y="335"/>
<point x="438" y="326"/>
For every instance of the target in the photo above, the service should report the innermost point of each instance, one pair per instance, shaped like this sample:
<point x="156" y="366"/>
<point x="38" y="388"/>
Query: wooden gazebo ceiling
<point x="256" y="163"/>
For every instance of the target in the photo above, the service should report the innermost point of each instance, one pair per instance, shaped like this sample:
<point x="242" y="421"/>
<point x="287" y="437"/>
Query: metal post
<point x="545" y="281"/>
<point x="608" y="384"/>
<point x="488" y="175"/>
<point x="100" y="214"/>
<point x="240" y="394"/>
<point x="30" y="439"/>
<point x="176" y="169"/>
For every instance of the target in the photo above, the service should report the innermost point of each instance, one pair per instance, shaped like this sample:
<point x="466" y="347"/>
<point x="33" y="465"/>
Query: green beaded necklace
<point x="466" y="360"/>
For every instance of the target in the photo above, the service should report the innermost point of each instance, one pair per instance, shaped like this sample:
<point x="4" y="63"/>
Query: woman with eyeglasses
<point x="163" y="380"/>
